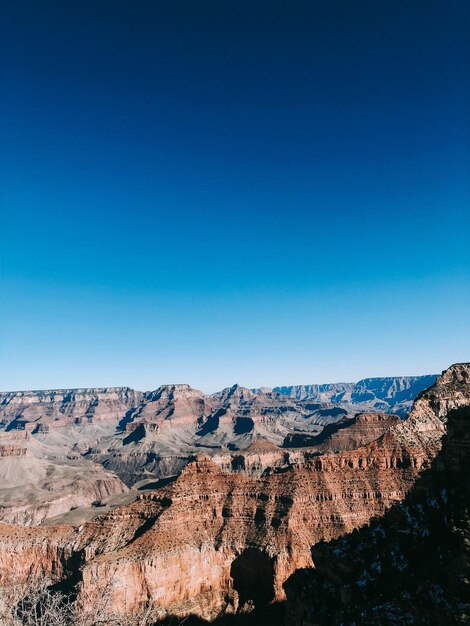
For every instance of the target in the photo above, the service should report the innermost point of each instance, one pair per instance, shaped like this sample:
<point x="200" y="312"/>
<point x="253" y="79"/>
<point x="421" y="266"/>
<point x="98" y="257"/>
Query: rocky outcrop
<point x="214" y="542"/>
<point x="196" y="532"/>
<point x="153" y="435"/>
<point x="186" y="547"/>
<point x="172" y="406"/>
<point x="260" y="457"/>
<point x="176" y="423"/>
<point x="412" y="566"/>
<point x="36" y="552"/>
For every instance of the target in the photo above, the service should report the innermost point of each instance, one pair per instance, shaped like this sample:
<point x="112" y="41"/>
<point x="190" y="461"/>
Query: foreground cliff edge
<point x="411" y="566"/>
<point x="213" y="543"/>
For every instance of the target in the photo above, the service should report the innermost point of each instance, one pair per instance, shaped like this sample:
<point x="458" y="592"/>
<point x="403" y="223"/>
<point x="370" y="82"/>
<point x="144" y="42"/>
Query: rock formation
<point x="346" y="434"/>
<point x="36" y="486"/>
<point x="412" y="566"/>
<point x="214" y="541"/>
<point x="91" y="441"/>
<point x="38" y="411"/>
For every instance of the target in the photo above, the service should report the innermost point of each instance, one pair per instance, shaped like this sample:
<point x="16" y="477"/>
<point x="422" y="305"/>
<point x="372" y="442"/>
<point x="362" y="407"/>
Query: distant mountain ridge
<point x="391" y="393"/>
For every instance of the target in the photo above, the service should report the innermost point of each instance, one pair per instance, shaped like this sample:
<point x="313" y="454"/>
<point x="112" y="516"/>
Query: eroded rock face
<point x="37" y="485"/>
<point x="146" y="436"/>
<point x="185" y="558"/>
<point x="149" y="436"/>
<point x="38" y="411"/>
<point x="199" y="544"/>
<point x="410" y="566"/>
<point x="39" y="551"/>
<point x="172" y="406"/>
<point x="347" y="433"/>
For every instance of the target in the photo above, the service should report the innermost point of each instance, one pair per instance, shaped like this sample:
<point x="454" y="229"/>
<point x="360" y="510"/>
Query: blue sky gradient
<point x="217" y="192"/>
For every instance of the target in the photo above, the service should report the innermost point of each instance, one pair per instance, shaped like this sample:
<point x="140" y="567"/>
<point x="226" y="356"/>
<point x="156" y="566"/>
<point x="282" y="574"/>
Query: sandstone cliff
<point x="38" y="411"/>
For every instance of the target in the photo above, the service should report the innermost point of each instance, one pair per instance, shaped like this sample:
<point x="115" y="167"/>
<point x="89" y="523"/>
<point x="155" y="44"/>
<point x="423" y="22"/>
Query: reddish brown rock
<point x="38" y="411"/>
<point x="346" y="434"/>
<point x="212" y="540"/>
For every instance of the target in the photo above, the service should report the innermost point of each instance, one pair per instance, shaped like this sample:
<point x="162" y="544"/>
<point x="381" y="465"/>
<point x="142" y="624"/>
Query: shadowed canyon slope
<point x="411" y="566"/>
<point x="215" y="541"/>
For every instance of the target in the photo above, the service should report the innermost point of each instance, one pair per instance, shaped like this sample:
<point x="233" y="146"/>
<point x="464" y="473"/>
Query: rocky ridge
<point x="380" y="394"/>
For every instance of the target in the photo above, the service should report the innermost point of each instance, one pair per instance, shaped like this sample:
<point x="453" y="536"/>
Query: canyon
<point x="82" y="451"/>
<point x="220" y="528"/>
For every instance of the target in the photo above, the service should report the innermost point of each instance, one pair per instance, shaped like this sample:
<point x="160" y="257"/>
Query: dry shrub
<point x="35" y="603"/>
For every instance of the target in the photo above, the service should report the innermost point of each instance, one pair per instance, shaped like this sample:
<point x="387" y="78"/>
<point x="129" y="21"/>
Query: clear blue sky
<point x="218" y="192"/>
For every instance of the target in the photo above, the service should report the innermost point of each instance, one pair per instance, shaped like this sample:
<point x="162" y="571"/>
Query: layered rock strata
<point x="213" y="542"/>
<point x="410" y="566"/>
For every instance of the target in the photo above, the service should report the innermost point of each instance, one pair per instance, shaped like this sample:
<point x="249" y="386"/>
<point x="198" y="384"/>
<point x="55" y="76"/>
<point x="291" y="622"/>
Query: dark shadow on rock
<point x="253" y="577"/>
<point x="136" y="435"/>
<point x="158" y="484"/>
<point x="128" y="417"/>
<point x="410" y="566"/>
<point x="238" y="463"/>
<point x="209" y="426"/>
<point x="243" y="425"/>
<point x="303" y="440"/>
<point x="270" y="615"/>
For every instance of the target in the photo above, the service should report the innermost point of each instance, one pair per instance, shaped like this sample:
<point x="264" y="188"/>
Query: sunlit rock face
<point x="39" y="411"/>
<point x="218" y="539"/>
